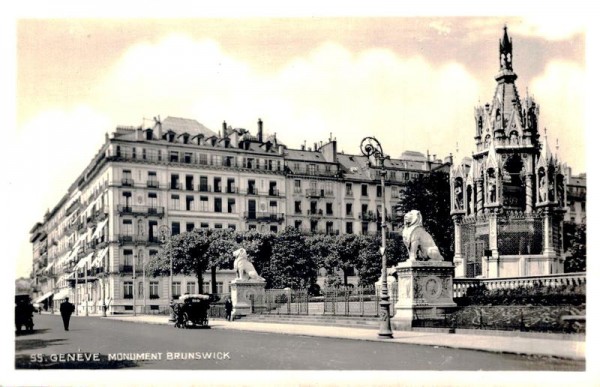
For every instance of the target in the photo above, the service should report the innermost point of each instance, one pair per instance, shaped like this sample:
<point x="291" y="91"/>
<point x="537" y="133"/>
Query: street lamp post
<point x="165" y="233"/>
<point x="371" y="148"/>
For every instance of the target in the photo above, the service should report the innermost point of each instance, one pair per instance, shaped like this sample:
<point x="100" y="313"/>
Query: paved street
<point x="94" y="342"/>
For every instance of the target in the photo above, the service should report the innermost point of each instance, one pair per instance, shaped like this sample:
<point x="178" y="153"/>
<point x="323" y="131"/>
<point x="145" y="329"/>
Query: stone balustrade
<point x="461" y="285"/>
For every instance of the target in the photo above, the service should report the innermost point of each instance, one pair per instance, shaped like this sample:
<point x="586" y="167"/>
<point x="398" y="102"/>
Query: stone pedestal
<point x="424" y="294"/>
<point x="247" y="297"/>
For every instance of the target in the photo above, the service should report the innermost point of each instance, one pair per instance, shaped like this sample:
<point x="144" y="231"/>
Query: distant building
<point x="181" y="175"/>
<point x="509" y="202"/>
<point x="576" y="198"/>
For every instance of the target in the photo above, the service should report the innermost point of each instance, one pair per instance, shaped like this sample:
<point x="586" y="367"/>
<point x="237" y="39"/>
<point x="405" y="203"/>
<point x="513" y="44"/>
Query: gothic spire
<point x="505" y="52"/>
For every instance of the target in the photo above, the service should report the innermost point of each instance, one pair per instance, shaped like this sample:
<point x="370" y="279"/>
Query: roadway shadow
<point x="27" y="333"/>
<point x="47" y="362"/>
<point x="22" y="345"/>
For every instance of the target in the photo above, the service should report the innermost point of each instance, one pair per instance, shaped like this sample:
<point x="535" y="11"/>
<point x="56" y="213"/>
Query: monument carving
<point x="418" y="241"/>
<point x="244" y="268"/>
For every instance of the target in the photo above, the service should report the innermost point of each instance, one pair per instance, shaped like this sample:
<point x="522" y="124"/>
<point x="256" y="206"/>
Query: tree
<point x="258" y="245"/>
<point x="220" y="252"/>
<point x="369" y="259"/>
<point x="188" y="252"/>
<point x="431" y="196"/>
<point x="575" y="239"/>
<point x="291" y="262"/>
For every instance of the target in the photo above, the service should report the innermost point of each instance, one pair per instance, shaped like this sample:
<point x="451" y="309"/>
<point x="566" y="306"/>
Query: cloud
<point x="560" y="92"/>
<point x="442" y="28"/>
<point x="553" y="26"/>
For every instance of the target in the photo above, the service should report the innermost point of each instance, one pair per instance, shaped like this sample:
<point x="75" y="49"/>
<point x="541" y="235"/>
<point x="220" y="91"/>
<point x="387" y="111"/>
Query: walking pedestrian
<point x="66" y="310"/>
<point x="228" y="308"/>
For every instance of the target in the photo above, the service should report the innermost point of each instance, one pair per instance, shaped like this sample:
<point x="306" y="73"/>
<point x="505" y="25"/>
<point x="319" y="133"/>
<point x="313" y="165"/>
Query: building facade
<point x="94" y="244"/>
<point x="509" y="201"/>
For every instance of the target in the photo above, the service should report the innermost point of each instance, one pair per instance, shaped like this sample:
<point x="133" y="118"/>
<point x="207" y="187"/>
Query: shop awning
<point x="74" y="253"/>
<point x="99" y="260"/>
<point x="47" y="268"/>
<point x="84" y="261"/>
<point x="42" y="298"/>
<point x="99" y="228"/>
<point x="62" y="294"/>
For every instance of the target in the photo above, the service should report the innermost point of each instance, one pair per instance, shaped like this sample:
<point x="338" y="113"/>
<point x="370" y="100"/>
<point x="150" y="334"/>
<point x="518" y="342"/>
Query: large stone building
<point x="181" y="175"/>
<point x="509" y="201"/>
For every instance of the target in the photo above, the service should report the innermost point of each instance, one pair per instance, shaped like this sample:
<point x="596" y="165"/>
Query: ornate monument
<point x="509" y="199"/>
<point x="248" y="288"/>
<point x="424" y="280"/>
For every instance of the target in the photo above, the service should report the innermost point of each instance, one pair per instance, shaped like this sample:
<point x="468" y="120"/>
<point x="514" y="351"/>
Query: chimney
<point x="316" y="146"/>
<point x="260" y="130"/>
<point x="302" y="146"/>
<point x="224" y="129"/>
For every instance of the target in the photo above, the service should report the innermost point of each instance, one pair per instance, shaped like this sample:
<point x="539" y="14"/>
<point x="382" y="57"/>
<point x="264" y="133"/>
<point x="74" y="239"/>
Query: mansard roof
<point x="186" y="125"/>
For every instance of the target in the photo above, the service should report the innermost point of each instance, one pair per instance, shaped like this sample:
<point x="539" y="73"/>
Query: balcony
<point x="273" y="192"/>
<point x="126" y="269"/>
<point x="152" y="184"/>
<point x="125" y="239"/>
<point x="367" y="217"/>
<point x="204" y="188"/>
<point x="232" y="190"/>
<point x="314" y="193"/>
<point x="141" y="210"/>
<point x="178" y="186"/>
<point x="127" y="182"/>
<point x="154" y="297"/>
<point x="252" y="191"/>
<point x="315" y="213"/>
<point x="264" y="216"/>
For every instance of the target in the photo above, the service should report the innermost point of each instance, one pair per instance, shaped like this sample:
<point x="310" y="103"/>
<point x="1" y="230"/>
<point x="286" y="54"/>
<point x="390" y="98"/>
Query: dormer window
<point x="171" y="136"/>
<point x="186" y="138"/>
<point x="149" y="134"/>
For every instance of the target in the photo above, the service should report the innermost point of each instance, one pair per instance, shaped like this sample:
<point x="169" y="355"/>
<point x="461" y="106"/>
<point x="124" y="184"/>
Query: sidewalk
<point x="551" y="346"/>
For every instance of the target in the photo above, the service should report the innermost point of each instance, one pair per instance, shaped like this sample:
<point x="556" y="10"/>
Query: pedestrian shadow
<point x="23" y="345"/>
<point x="33" y="332"/>
<point x="49" y="362"/>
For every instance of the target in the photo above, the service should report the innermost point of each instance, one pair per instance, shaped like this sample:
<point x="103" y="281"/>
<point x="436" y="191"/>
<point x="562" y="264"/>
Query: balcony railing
<point x="273" y="192"/>
<point x="264" y="216"/>
<point x="178" y="186"/>
<point x="314" y="213"/>
<point x="153" y="184"/>
<point x="204" y="188"/>
<point x="127" y="182"/>
<point x="126" y="268"/>
<point x="367" y="217"/>
<point x="252" y="191"/>
<point x="315" y="193"/>
<point x="232" y="190"/>
<point x="140" y="210"/>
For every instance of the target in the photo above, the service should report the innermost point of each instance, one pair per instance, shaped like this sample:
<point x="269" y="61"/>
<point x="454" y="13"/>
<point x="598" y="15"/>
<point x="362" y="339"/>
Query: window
<point x="313" y="207"/>
<point x="394" y="191"/>
<point x="205" y="287"/>
<point x="297" y="186"/>
<point x="175" y="228"/>
<point x="174" y="157"/>
<point x="128" y="289"/>
<point x="127" y="260"/>
<point x="392" y="175"/>
<point x="152" y="179"/>
<point x="189" y="203"/>
<point x="218" y="225"/>
<point x="148" y="134"/>
<point x="189" y="182"/>
<point x="203" y="203"/>
<point x="127" y="180"/>
<point x="349" y="209"/>
<point x="348" y="189"/>
<point x="127" y="227"/>
<point x="252" y="187"/>
<point x="152" y="200"/>
<point x="329" y="227"/>
<point x="202" y="159"/>
<point x="230" y="205"/>
<point x="298" y="224"/>
<point x="190" y="288"/>
<point x="231" y="227"/>
<point x="203" y="184"/>
<point x="175" y="182"/>
<point x="154" y="289"/>
<point x="329" y="208"/>
<point x="219" y="287"/>
<point x="249" y="163"/>
<point x="349" y="228"/>
<point x="406" y="176"/>
<point x="273" y="228"/>
<point x="187" y="157"/>
<point x="218" y="205"/>
<point x="230" y="185"/>
<point x="379" y="191"/>
<point x="133" y="154"/>
<point x="251" y="227"/>
<point x="217" y="160"/>
<point x="297" y="207"/>
<point x="365" y="228"/>
<point x="159" y="155"/>
<point x="176" y="289"/>
<point x="174" y="202"/>
<point x="203" y="225"/>
<point x="143" y="153"/>
<point x="314" y="225"/>
<point x="311" y="169"/>
<point x="189" y="226"/>
<point x="364" y="190"/>
<point x="217" y="184"/>
<point x="273" y="206"/>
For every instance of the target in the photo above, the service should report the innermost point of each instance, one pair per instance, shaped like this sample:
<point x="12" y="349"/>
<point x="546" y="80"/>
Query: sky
<point x="412" y="82"/>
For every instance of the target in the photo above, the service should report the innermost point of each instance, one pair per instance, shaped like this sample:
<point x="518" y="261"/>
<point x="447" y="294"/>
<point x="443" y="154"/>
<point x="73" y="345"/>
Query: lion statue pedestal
<point x="424" y="281"/>
<point x="424" y="294"/>
<point x="248" y="288"/>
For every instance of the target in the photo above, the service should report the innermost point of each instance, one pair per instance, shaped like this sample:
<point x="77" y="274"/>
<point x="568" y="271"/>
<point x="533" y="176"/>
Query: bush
<point x="534" y="295"/>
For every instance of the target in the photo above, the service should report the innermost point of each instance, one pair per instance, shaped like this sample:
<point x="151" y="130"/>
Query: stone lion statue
<point x="244" y="268"/>
<point x="418" y="241"/>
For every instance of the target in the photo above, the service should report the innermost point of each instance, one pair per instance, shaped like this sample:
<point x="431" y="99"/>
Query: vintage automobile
<point x="23" y="312"/>
<point x="191" y="310"/>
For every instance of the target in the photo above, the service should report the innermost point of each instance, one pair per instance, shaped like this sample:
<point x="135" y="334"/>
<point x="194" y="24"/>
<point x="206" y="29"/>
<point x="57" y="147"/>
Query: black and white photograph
<point x="354" y="197"/>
